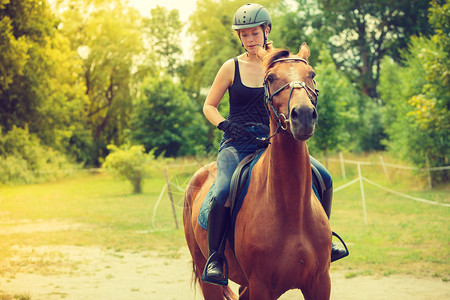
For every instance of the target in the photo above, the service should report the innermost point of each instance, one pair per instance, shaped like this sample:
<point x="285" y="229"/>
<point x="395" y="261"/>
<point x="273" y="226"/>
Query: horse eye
<point x="313" y="75"/>
<point x="270" y="78"/>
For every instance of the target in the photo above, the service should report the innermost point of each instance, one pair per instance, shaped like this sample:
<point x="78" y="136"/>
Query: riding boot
<point x="218" y="220"/>
<point x="336" y="251"/>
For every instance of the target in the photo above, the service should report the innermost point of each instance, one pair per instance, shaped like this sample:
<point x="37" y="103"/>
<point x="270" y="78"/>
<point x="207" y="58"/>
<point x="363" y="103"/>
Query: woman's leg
<point x="219" y="215"/>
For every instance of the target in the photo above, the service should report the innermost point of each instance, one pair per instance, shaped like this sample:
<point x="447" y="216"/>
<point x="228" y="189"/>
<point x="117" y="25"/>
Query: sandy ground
<point x="92" y="273"/>
<point x="71" y="272"/>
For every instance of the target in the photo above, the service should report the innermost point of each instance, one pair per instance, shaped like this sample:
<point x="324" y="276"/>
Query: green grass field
<point x="402" y="236"/>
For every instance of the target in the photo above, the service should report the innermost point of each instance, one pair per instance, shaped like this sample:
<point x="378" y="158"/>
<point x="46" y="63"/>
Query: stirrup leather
<point x="224" y="280"/>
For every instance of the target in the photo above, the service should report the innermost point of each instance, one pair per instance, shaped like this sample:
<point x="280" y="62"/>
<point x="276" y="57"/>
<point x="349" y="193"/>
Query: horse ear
<point x="304" y="51"/>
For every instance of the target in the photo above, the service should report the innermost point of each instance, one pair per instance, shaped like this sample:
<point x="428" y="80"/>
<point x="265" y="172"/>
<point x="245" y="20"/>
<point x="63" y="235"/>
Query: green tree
<point x="165" y="118"/>
<point x="107" y="36"/>
<point x="162" y="31"/>
<point x="418" y="95"/>
<point x="360" y="33"/>
<point x="131" y="163"/>
<point x="39" y="88"/>
<point x="336" y="107"/>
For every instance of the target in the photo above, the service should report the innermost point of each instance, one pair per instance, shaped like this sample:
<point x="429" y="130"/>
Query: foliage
<point x="107" y="37"/>
<point x="39" y="88"/>
<point x="165" y="118"/>
<point x="419" y="96"/>
<point x="337" y="107"/>
<point x="23" y="159"/>
<point x="163" y="30"/>
<point x="131" y="163"/>
<point x="362" y="32"/>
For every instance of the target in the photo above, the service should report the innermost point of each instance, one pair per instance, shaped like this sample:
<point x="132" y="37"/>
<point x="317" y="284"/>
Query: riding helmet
<point x="251" y="15"/>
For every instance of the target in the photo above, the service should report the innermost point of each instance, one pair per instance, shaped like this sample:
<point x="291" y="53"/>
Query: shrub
<point x="131" y="163"/>
<point x="23" y="159"/>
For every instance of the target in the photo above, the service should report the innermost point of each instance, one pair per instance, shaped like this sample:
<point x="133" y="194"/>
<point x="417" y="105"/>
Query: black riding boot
<point x="217" y="224"/>
<point x="336" y="251"/>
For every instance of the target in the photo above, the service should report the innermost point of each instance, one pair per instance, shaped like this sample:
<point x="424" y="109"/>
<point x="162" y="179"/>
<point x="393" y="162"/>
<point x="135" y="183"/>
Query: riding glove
<point x="234" y="130"/>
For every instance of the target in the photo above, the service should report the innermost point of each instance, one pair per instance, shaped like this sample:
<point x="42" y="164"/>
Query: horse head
<point x="290" y="91"/>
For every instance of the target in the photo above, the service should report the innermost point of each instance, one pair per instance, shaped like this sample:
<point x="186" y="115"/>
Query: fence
<point x="361" y="179"/>
<point x="384" y="166"/>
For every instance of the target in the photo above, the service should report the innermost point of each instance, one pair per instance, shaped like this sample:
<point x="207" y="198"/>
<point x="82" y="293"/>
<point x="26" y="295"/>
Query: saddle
<point x="241" y="176"/>
<point x="239" y="185"/>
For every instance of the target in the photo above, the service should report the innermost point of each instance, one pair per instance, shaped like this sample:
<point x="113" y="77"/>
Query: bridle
<point x="280" y="118"/>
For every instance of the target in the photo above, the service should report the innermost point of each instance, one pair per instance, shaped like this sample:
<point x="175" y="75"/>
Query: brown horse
<point x="282" y="234"/>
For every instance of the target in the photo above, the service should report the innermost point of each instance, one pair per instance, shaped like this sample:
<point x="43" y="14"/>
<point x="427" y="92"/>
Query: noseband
<point x="268" y="97"/>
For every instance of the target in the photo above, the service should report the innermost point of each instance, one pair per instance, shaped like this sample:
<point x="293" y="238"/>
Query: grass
<point x="401" y="236"/>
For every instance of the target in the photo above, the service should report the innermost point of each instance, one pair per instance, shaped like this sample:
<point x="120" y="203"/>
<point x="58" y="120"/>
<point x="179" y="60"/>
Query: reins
<point x="268" y="98"/>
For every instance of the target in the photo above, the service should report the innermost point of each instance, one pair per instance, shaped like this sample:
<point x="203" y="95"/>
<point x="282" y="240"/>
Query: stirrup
<point x="215" y="281"/>
<point x="343" y="243"/>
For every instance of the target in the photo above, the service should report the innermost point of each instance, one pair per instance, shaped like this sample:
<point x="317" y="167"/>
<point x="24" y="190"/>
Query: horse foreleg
<point x="259" y="291"/>
<point x="321" y="289"/>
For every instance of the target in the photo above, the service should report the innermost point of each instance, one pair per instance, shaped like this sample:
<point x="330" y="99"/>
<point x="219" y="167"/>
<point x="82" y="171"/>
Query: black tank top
<point x="246" y="103"/>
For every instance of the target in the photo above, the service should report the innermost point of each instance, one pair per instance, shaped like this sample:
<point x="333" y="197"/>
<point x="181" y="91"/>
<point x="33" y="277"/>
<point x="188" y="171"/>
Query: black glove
<point x="232" y="129"/>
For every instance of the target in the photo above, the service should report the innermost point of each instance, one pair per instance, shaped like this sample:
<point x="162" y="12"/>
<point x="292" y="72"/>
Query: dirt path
<point x="71" y="272"/>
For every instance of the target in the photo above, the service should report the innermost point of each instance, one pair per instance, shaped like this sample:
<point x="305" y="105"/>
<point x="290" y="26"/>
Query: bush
<point x="23" y="159"/>
<point x="131" y="163"/>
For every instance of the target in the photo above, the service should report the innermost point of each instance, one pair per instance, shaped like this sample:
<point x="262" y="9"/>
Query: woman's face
<point x="252" y="38"/>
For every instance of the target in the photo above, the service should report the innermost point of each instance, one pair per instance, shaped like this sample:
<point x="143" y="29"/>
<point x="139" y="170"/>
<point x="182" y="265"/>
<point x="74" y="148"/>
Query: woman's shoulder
<point x="227" y="69"/>
<point x="229" y="64"/>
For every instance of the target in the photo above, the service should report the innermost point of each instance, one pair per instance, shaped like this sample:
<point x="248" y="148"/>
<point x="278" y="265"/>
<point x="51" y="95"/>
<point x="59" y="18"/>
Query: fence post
<point x="428" y="172"/>
<point x="341" y="158"/>
<point x="171" y="199"/>
<point x="362" y="193"/>
<point x="385" y="169"/>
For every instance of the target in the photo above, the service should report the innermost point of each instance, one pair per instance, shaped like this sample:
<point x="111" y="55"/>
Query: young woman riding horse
<point x="244" y="128"/>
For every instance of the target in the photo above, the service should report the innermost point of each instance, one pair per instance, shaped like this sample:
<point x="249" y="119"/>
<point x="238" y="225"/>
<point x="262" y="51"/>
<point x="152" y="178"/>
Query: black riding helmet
<point x="252" y="15"/>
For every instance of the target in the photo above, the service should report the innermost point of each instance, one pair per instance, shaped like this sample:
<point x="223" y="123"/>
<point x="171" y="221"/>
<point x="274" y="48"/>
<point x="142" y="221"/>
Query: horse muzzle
<point x="302" y="121"/>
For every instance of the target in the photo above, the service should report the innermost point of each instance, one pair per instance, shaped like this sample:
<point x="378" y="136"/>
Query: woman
<point x="248" y="120"/>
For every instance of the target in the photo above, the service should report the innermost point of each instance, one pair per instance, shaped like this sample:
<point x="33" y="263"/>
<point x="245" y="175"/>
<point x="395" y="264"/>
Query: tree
<point x="336" y="106"/>
<point x="418" y="95"/>
<point x="131" y="163"/>
<point x="163" y="30"/>
<point x="358" y="33"/>
<point x="165" y="118"/>
<point x="38" y="88"/>
<point x="107" y="37"/>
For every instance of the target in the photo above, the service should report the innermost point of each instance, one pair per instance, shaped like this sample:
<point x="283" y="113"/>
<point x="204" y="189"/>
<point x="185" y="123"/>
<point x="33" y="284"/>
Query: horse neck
<point x="289" y="173"/>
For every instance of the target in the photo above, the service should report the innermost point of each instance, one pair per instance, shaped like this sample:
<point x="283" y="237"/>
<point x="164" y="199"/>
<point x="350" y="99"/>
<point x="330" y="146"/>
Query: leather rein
<point x="278" y="117"/>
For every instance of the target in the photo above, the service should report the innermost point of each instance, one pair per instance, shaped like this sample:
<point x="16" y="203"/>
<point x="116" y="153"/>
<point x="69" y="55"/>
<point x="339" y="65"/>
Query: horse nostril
<point x="294" y="114"/>
<point x="314" y="115"/>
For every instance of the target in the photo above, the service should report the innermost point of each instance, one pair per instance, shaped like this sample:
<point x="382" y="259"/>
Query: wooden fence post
<point x="362" y="193"/>
<point x="385" y="169"/>
<point x="428" y="173"/>
<point x="341" y="158"/>
<point x="171" y="199"/>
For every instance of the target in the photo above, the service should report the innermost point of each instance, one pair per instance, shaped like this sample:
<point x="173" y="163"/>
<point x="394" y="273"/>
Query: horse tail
<point x="195" y="279"/>
<point x="228" y="293"/>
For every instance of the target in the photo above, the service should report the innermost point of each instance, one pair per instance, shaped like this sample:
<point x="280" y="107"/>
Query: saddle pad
<point x="206" y="205"/>
<point x="205" y="208"/>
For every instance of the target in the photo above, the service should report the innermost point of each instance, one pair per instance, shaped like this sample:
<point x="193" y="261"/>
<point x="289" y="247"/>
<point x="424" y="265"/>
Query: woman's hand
<point x="232" y="129"/>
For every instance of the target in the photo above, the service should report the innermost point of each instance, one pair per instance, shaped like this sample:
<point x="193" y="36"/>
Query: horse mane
<point x="276" y="54"/>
